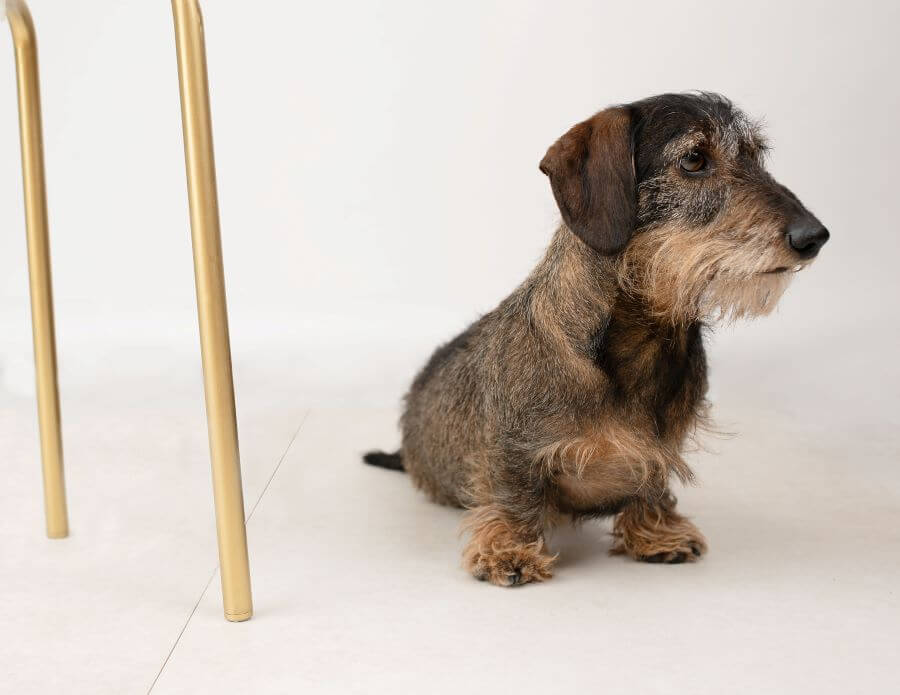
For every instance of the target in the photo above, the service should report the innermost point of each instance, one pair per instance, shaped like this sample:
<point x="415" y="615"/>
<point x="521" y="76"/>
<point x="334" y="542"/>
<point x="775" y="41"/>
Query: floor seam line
<point x="183" y="628"/>
<point x="277" y="466"/>
<point x="216" y="569"/>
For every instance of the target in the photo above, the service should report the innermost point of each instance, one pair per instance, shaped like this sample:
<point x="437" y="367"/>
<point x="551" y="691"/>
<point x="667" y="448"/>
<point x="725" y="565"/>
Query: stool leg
<point x="34" y="187"/>
<point x="211" y="309"/>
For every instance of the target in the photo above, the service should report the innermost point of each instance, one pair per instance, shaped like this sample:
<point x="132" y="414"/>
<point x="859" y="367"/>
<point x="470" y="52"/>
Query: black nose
<point x="807" y="236"/>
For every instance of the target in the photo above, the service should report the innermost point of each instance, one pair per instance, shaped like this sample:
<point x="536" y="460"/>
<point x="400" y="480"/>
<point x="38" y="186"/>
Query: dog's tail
<point x="393" y="462"/>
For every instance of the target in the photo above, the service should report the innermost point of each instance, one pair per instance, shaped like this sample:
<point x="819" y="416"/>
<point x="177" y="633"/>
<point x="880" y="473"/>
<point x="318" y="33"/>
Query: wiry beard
<point x="728" y="299"/>
<point x="698" y="274"/>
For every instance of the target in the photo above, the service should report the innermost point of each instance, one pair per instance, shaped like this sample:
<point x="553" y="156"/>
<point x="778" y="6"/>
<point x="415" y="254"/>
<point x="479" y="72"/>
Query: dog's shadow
<point x="580" y="544"/>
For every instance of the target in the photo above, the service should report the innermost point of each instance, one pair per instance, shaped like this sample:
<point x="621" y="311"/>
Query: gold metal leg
<point x="213" y="315"/>
<point x="34" y="186"/>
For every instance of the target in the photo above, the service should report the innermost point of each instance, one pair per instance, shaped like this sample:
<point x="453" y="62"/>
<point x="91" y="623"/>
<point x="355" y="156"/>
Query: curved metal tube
<point x="211" y="309"/>
<point x="34" y="186"/>
<point x="209" y="278"/>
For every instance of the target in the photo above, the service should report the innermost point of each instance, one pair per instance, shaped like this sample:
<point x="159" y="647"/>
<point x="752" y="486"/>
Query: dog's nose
<point x="807" y="236"/>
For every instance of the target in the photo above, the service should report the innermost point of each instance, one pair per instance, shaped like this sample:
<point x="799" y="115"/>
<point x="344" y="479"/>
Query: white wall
<point x="378" y="163"/>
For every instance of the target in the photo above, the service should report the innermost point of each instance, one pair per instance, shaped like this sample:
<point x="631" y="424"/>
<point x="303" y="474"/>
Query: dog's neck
<point x="575" y="299"/>
<point x="575" y="291"/>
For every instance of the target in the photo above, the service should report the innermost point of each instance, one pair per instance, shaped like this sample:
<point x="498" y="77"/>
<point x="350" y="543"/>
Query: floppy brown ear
<point x="591" y="172"/>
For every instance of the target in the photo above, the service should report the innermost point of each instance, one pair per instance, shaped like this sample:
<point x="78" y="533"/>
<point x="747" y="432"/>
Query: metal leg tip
<point x="238" y="617"/>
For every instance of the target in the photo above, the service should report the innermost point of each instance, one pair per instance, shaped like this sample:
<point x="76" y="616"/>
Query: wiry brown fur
<point x="686" y="272"/>
<point x="498" y="554"/>
<point x="657" y="533"/>
<point x="576" y="396"/>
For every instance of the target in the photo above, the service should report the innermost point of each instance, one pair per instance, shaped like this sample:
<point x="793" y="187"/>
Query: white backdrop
<point x="378" y="171"/>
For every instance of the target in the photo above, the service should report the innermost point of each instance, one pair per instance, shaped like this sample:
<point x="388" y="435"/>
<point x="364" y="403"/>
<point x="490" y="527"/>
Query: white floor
<point x="356" y="578"/>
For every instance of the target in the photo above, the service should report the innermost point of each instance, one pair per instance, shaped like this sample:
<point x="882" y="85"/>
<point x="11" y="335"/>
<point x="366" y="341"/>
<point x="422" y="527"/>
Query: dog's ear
<point x="591" y="170"/>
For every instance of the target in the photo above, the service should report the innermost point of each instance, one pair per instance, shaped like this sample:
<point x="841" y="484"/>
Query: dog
<point x="576" y="397"/>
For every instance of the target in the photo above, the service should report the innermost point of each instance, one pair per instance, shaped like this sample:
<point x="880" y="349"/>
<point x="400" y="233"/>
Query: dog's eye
<point x="693" y="162"/>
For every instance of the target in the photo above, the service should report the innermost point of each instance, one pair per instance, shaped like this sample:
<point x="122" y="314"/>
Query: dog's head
<point x="675" y="187"/>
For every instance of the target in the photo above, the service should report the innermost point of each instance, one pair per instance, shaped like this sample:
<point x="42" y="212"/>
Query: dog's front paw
<point x="657" y="535"/>
<point x="687" y="550"/>
<point x="510" y="565"/>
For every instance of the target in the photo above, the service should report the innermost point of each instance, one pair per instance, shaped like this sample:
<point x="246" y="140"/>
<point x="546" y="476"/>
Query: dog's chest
<point x="656" y="375"/>
<point x="598" y="471"/>
<point x="652" y="387"/>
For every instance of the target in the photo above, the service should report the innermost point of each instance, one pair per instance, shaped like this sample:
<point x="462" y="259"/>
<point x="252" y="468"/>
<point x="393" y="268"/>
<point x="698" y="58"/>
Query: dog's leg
<point x="506" y="521"/>
<point x="504" y="551"/>
<point x="652" y="531"/>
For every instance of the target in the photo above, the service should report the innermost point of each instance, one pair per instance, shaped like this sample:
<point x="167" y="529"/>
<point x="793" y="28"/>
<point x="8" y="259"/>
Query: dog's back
<point x="441" y="423"/>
